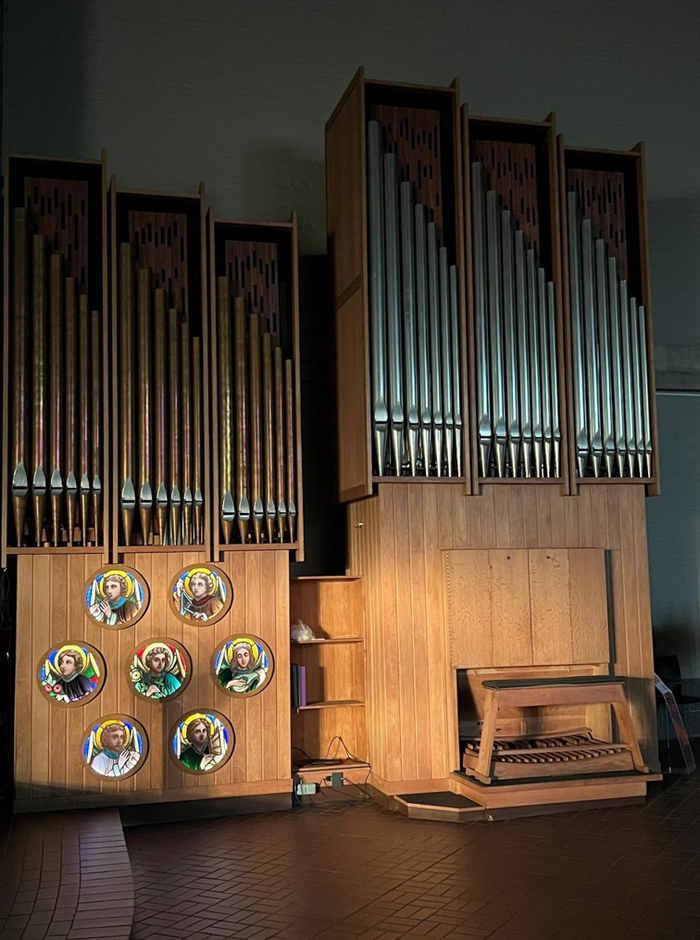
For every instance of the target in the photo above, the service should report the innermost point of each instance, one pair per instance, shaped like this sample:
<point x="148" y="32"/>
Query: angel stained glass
<point x="202" y="594"/>
<point x="116" y="747"/>
<point x="243" y="665"/>
<point x="116" y="597"/>
<point x="159" y="669"/>
<point x="202" y="742"/>
<point x="71" y="674"/>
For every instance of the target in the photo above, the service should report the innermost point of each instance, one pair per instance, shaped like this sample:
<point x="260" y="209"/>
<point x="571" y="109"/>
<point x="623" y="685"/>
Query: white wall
<point x="236" y="93"/>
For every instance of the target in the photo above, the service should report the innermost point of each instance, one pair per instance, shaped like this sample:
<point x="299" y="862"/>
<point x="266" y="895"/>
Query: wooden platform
<point x="442" y="806"/>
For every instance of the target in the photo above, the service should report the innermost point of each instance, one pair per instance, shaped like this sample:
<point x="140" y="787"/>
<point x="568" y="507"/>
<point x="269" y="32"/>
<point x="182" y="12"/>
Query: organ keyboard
<point x="559" y="754"/>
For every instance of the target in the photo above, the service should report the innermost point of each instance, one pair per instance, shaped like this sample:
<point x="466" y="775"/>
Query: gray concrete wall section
<point x="237" y="94"/>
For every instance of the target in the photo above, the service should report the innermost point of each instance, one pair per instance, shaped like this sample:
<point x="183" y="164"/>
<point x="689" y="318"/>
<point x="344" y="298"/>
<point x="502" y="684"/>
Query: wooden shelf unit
<point x="83" y="240"/>
<point x="626" y="167"/>
<point x="180" y="216"/>
<point x="536" y="140"/>
<point x="274" y="246"/>
<point x="335" y="664"/>
<point x="348" y="244"/>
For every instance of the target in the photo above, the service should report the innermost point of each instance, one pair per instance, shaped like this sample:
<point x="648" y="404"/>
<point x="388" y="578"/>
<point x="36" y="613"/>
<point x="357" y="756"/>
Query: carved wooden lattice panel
<point x="160" y="243"/>
<point x="253" y="274"/>
<point x="57" y="209"/>
<point x="413" y="134"/>
<point x="511" y="169"/>
<point x="601" y="196"/>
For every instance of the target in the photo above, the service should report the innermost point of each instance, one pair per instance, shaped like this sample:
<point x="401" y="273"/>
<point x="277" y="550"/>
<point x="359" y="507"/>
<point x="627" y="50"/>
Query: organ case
<point x="56" y="475"/>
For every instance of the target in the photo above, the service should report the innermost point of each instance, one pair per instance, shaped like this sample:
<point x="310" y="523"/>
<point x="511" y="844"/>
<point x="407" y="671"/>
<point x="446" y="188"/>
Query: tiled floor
<point x="66" y="876"/>
<point x="352" y="871"/>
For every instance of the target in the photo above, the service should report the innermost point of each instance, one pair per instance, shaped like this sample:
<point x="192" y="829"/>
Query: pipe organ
<point x="496" y="440"/>
<point x="55" y="304"/>
<point x="152" y="489"/>
<point x="506" y="575"/>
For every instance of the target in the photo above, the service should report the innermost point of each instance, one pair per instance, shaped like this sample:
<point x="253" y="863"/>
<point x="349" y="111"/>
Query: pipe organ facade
<point x="496" y="440"/>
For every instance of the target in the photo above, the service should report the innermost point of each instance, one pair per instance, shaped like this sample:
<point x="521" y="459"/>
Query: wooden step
<point x="441" y="806"/>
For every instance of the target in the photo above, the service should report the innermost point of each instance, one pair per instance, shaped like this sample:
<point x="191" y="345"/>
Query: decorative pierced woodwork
<point x="413" y="134"/>
<point x="253" y="273"/>
<point x="601" y="196"/>
<point x="160" y="243"/>
<point x="58" y="210"/>
<point x="511" y="169"/>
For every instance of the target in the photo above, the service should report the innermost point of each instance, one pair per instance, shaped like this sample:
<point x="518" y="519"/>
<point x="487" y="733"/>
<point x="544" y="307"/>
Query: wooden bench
<point x="572" y="690"/>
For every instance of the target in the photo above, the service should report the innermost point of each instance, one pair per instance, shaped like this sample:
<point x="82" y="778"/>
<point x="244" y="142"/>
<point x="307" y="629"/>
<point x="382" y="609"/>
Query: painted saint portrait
<point x="159" y="669"/>
<point x="243" y="665"/>
<point x="116" y="747"/>
<point x="116" y="597"/>
<point x="71" y="674"/>
<point x="202" y="742"/>
<point x="201" y="595"/>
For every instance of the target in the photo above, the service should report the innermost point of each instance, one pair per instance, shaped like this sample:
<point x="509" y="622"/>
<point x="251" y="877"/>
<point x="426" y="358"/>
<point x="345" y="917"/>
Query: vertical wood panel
<point x="440" y="677"/>
<point x="551" y="606"/>
<point x="50" y="611"/>
<point x="588" y="607"/>
<point x="510" y="608"/>
<point x="471" y="639"/>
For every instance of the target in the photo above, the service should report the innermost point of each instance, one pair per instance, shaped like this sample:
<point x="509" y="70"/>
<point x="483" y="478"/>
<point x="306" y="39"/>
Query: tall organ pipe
<point x="375" y="184"/>
<point x="39" y="384"/>
<point x="391" y="252"/>
<point x="70" y="425"/>
<point x="20" y="397"/>
<point x="126" y="389"/>
<point x="484" y="426"/>
<point x="409" y="323"/>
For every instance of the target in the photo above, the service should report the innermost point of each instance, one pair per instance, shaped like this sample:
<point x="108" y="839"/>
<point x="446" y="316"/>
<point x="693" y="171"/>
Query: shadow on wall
<point x="324" y="519"/>
<point x="55" y="79"/>
<point x="674" y="534"/>
<point x="281" y="180"/>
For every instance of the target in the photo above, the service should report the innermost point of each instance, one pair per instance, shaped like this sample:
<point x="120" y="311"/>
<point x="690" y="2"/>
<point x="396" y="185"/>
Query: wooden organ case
<point x="120" y="392"/>
<point x="507" y="601"/>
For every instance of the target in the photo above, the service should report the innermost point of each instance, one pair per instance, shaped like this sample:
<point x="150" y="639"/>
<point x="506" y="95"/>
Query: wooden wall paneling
<point x="57" y="626"/>
<point x="353" y="396"/>
<point x="444" y="751"/>
<point x="551" y="606"/>
<point x="510" y="608"/>
<point x="346" y="224"/>
<point x="471" y="637"/>
<point x="588" y="597"/>
<point x="426" y="654"/>
<point x="48" y="759"/>
<point x="407" y="663"/>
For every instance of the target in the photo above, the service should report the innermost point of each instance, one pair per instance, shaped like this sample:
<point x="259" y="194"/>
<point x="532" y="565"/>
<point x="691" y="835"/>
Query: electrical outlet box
<point x="336" y="779"/>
